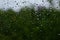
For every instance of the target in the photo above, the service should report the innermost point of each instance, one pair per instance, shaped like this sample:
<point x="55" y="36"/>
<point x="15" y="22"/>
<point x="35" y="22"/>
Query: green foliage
<point x="28" y="24"/>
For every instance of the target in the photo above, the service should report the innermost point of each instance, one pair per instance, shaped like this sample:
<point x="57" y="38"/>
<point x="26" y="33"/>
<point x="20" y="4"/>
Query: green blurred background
<point x="28" y="24"/>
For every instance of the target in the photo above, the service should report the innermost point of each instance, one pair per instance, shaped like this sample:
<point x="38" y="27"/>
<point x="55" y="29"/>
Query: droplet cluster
<point x="18" y="4"/>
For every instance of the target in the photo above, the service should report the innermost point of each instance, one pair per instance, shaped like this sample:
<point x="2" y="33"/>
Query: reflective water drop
<point x="40" y="30"/>
<point x="15" y="30"/>
<point x="17" y="4"/>
<point x="37" y="27"/>
<point x="58" y="34"/>
<point x="37" y="18"/>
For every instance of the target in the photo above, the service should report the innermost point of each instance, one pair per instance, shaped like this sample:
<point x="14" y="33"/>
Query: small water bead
<point x="42" y="0"/>
<point x="38" y="19"/>
<point x="40" y="14"/>
<point x="57" y="7"/>
<point x="36" y="12"/>
<point x="41" y="25"/>
<point x="40" y="30"/>
<point x="32" y="22"/>
<point x="15" y="6"/>
<point x="7" y="31"/>
<point x="48" y="14"/>
<point x="4" y="8"/>
<point x="4" y="3"/>
<point x="24" y="2"/>
<point x="54" y="11"/>
<point x="16" y="3"/>
<point x="15" y="30"/>
<point x="50" y="8"/>
<point x="37" y="27"/>
<point x="37" y="15"/>
<point x="33" y="28"/>
<point x="1" y="29"/>
<point x="51" y="21"/>
<point x="35" y="4"/>
<point x="59" y="34"/>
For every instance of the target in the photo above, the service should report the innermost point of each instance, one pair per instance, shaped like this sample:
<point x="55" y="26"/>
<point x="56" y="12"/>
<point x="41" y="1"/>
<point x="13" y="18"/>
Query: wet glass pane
<point x="29" y="19"/>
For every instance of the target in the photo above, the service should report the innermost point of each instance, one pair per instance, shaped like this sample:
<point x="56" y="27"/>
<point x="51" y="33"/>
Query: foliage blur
<point x="30" y="24"/>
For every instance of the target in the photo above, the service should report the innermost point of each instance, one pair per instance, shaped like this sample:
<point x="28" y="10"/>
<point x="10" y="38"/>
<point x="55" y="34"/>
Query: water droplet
<point x="6" y="30"/>
<point x="37" y="27"/>
<point x="41" y="25"/>
<point x="40" y="14"/>
<point x="15" y="1"/>
<point x="42" y="0"/>
<point x="58" y="34"/>
<point x="37" y="15"/>
<point x="1" y="29"/>
<point x="35" y="12"/>
<point x="37" y="18"/>
<point x="47" y="14"/>
<point x="17" y="4"/>
<point x="15" y="30"/>
<point x="40" y="30"/>
<point x="31" y="32"/>
<point x="51" y="21"/>
<point x="24" y="2"/>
